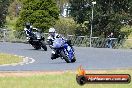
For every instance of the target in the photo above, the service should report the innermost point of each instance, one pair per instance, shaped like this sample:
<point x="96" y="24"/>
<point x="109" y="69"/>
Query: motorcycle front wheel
<point x="44" y="46"/>
<point x="73" y="60"/>
<point x="64" y="57"/>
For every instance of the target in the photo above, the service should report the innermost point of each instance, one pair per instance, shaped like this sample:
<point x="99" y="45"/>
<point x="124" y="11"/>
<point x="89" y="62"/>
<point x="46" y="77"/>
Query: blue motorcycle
<point x="64" y="50"/>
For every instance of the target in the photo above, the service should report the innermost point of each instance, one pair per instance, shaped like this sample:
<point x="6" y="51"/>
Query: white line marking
<point x="26" y="60"/>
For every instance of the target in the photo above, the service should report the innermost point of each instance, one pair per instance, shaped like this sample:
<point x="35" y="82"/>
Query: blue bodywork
<point x="61" y="44"/>
<point x="68" y="51"/>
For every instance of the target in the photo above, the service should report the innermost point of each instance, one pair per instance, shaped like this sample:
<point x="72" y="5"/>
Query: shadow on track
<point x="34" y="49"/>
<point x="63" y="62"/>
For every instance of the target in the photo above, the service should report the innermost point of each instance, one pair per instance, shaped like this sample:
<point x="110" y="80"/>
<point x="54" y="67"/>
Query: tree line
<point x="109" y="15"/>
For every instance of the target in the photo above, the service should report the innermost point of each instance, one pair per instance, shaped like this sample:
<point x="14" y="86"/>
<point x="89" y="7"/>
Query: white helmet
<point x="51" y="30"/>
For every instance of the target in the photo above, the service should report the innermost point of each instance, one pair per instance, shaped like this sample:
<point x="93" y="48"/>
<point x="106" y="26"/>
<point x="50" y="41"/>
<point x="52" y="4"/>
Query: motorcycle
<point x="36" y="40"/>
<point x="64" y="50"/>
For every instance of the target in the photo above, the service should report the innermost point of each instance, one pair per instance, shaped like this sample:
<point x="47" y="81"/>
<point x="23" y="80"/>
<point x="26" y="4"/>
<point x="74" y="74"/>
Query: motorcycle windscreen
<point x="38" y="35"/>
<point x="58" y="42"/>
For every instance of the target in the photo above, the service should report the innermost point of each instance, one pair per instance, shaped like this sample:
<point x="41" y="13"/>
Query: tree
<point x="3" y="11"/>
<point x="60" y="4"/>
<point x="108" y="14"/>
<point x="14" y="9"/>
<point x="66" y="26"/>
<point x="40" y="13"/>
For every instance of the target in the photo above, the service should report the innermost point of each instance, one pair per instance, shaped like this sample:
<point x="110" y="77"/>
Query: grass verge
<point x="63" y="80"/>
<point x="9" y="59"/>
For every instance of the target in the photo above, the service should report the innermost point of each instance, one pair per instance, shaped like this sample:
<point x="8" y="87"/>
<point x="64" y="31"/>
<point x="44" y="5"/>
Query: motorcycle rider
<point x="54" y="36"/>
<point x="28" y="30"/>
<point x="34" y="37"/>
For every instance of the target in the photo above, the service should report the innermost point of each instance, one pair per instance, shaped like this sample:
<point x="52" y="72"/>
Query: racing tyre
<point x="37" y="47"/>
<point x="73" y="60"/>
<point x="44" y="46"/>
<point x="64" y="57"/>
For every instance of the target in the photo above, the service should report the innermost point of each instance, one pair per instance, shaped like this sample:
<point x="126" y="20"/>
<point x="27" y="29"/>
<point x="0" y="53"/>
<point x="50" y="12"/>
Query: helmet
<point x="28" y="25"/>
<point x="51" y="30"/>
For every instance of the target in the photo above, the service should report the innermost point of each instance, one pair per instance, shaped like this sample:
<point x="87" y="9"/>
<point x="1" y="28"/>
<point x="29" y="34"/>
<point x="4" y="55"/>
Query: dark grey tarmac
<point x="89" y="58"/>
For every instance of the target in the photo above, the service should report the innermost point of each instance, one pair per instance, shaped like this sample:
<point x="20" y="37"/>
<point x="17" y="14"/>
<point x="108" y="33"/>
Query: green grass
<point x="64" y="80"/>
<point x="9" y="59"/>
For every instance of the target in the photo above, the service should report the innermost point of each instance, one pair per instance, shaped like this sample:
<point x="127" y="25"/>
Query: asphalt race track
<point x="89" y="58"/>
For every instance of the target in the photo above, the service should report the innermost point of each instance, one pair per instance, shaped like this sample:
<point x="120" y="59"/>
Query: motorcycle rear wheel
<point x="36" y="47"/>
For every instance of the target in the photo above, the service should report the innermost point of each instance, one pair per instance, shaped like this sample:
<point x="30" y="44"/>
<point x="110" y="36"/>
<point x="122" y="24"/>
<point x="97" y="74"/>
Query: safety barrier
<point x="96" y="41"/>
<point x="80" y="41"/>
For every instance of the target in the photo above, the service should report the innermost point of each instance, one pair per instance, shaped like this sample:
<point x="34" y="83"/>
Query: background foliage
<point x="3" y="11"/>
<point x="108" y="14"/>
<point x="40" y="13"/>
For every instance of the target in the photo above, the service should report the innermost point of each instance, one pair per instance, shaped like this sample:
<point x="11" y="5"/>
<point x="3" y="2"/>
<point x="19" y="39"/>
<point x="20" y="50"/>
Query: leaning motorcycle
<point x="37" y="41"/>
<point x="62" y="49"/>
